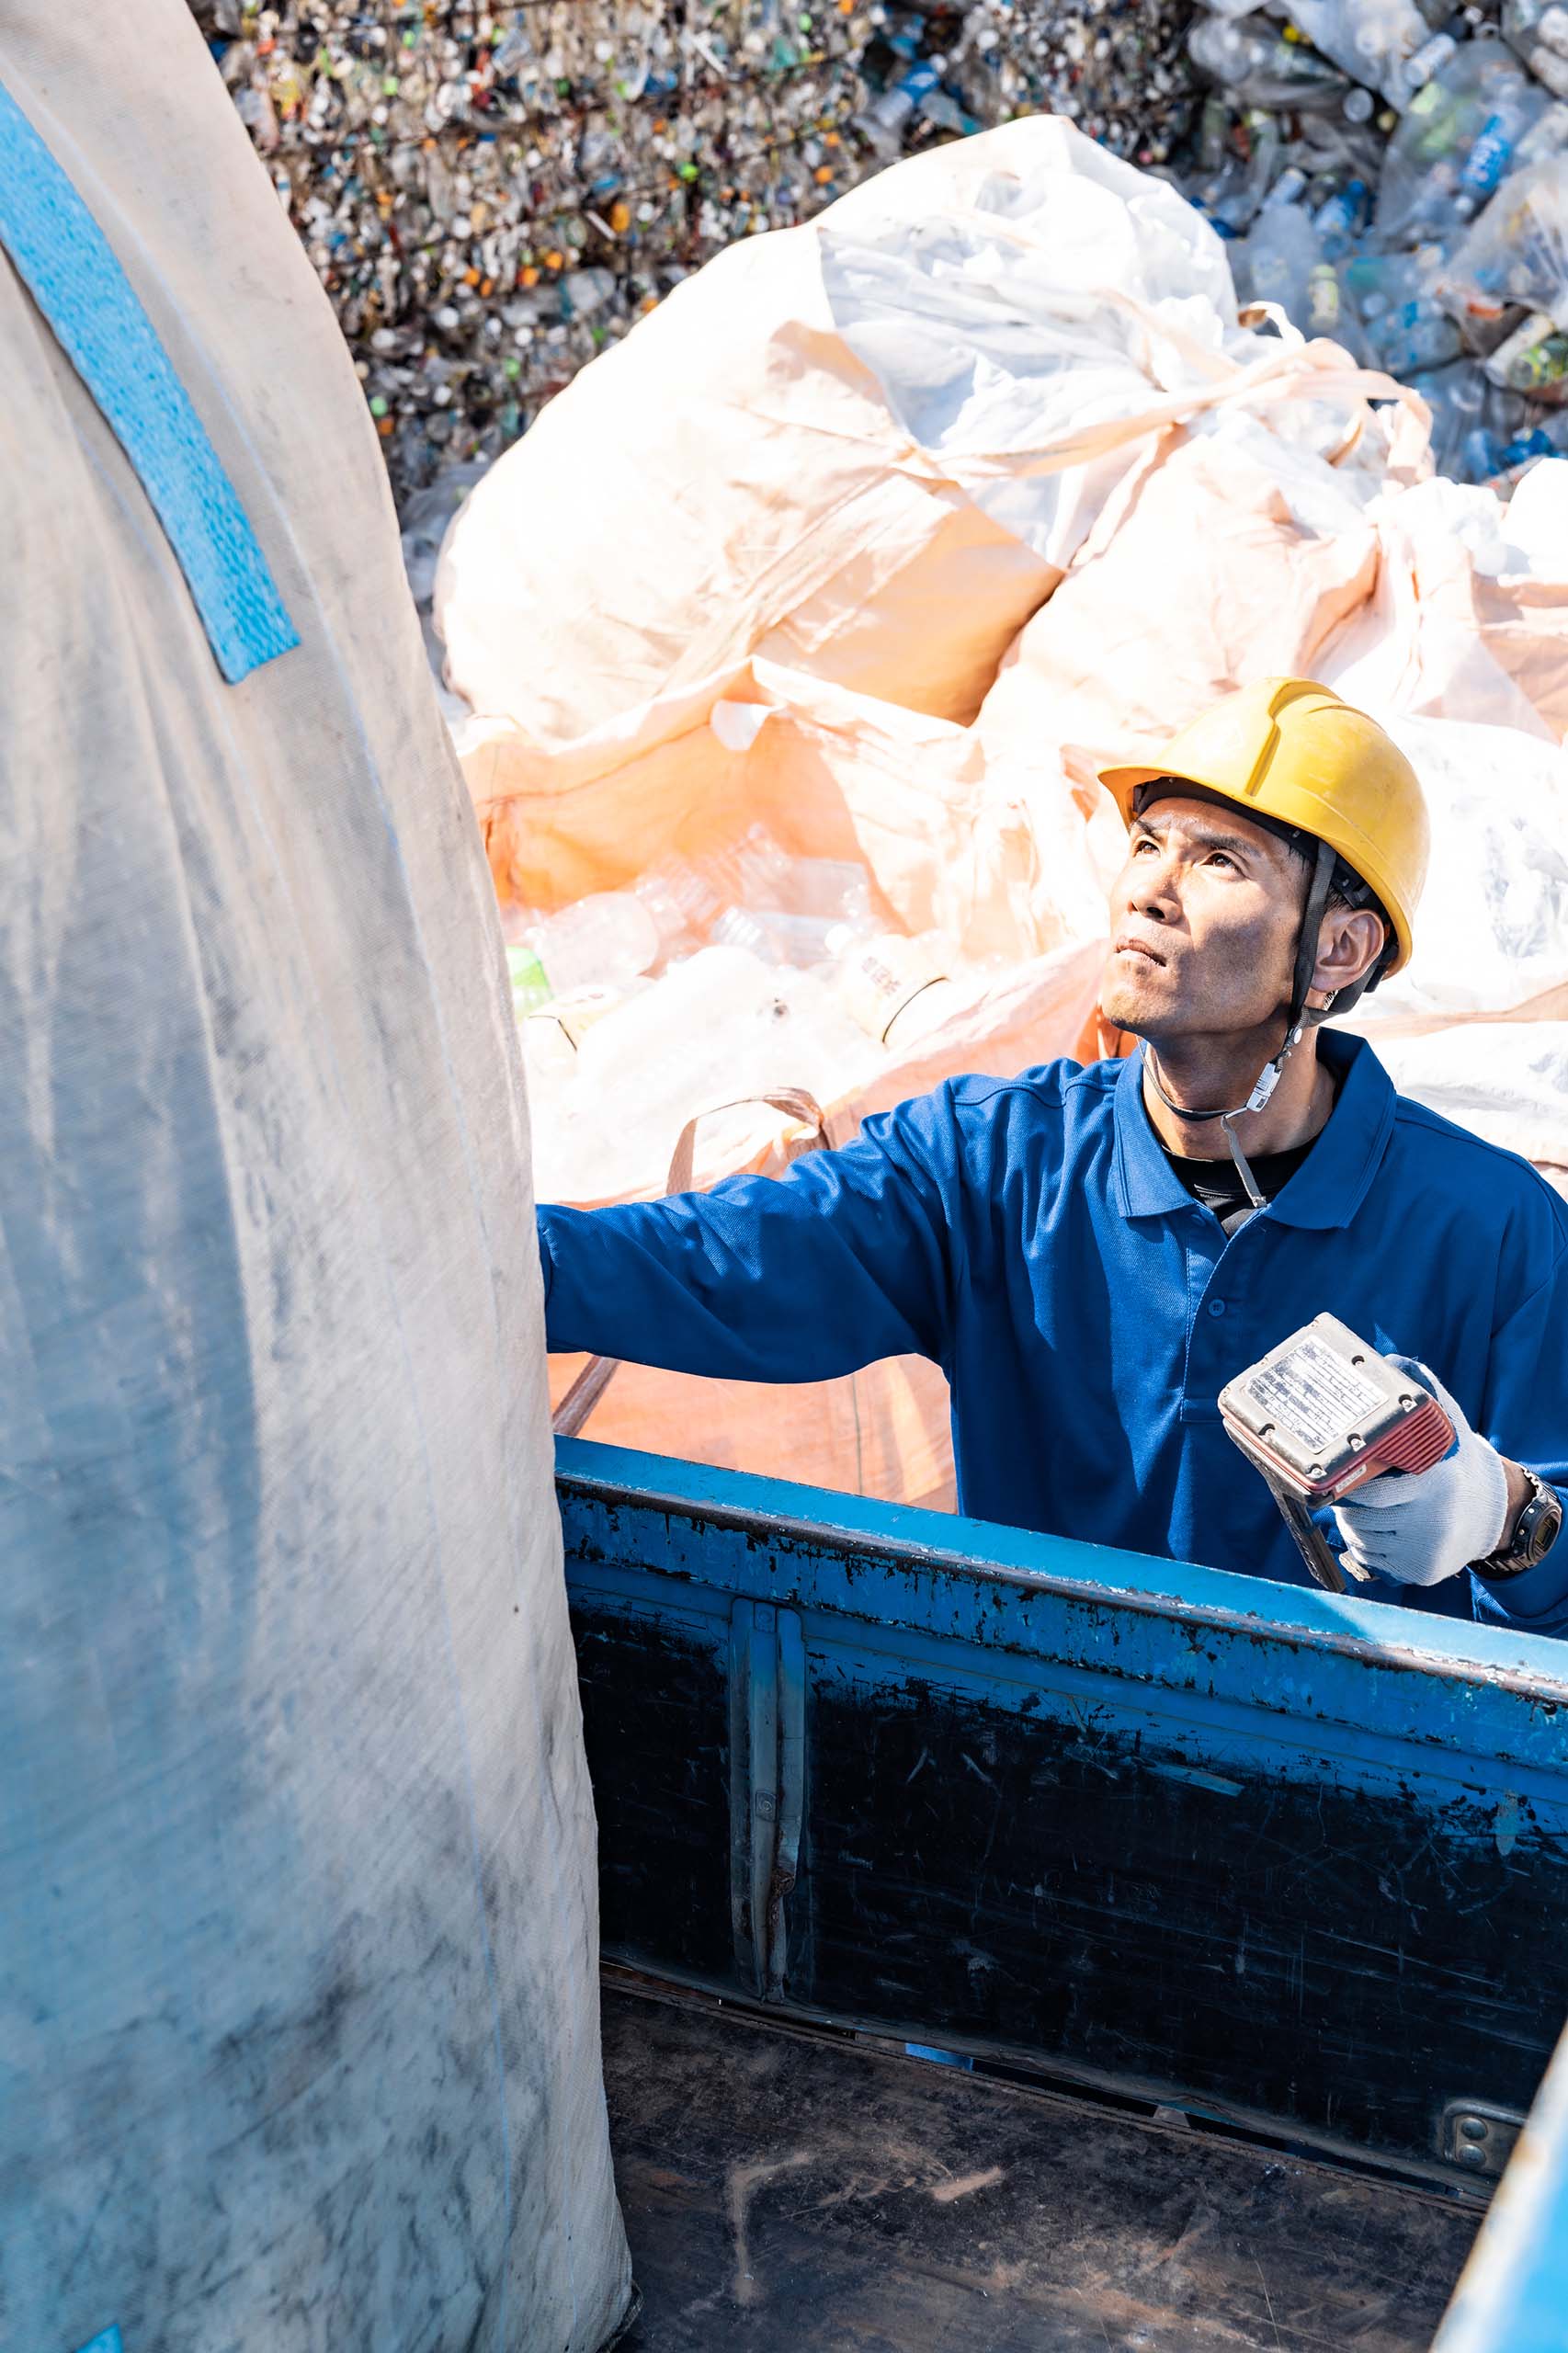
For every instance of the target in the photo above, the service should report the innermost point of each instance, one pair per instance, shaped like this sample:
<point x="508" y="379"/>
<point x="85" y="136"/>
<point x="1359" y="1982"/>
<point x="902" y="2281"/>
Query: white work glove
<point x="1419" y="1531"/>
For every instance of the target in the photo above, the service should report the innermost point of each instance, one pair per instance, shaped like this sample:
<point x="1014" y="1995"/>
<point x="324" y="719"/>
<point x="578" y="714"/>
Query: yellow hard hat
<point x="1287" y="749"/>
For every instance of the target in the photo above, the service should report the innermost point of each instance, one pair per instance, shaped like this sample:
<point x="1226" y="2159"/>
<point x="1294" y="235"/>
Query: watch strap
<point x="1534" y="1533"/>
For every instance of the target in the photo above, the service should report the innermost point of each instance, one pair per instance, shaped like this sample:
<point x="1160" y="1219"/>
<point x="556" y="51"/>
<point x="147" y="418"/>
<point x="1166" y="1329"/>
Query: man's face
<point x="1204" y="918"/>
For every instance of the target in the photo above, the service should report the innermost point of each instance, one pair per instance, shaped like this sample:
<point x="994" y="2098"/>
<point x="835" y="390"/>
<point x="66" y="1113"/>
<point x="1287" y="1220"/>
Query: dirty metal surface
<point x="1296" y="1858"/>
<point x="787" y="2193"/>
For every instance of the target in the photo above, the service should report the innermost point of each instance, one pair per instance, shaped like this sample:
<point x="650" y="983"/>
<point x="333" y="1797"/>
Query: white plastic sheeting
<point x="298" y="2006"/>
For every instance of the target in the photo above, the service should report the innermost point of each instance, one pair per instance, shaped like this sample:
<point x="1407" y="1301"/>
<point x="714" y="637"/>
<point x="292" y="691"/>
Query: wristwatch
<point x="1535" y="1533"/>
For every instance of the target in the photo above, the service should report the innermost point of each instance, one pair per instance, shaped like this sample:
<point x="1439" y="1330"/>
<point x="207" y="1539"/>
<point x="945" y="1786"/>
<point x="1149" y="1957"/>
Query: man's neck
<point x="1194" y="1073"/>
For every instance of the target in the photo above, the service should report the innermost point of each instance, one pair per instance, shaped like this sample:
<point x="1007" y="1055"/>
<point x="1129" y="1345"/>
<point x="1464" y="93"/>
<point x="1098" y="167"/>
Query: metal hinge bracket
<point x="1479" y="2136"/>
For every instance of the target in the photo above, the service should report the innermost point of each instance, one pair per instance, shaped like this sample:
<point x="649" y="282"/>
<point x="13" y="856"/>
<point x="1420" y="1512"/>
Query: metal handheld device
<point x="1321" y="1413"/>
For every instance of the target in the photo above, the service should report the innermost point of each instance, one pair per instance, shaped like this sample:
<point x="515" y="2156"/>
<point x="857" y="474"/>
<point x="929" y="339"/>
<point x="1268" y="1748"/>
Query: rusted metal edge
<point x="775" y="1528"/>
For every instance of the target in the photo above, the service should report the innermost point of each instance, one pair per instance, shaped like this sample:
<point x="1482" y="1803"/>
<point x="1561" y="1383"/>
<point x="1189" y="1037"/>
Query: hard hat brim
<point x="1121" y="783"/>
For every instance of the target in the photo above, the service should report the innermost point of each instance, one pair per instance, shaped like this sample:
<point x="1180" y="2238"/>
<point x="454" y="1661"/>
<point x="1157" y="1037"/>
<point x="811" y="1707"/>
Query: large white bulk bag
<point x="298" y="2011"/>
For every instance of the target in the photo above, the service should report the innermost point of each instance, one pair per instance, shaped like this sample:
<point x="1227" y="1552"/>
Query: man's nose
<point x="1151" y="887"/>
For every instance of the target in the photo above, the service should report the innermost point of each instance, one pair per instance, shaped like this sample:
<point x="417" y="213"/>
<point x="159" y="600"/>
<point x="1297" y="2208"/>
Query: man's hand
<point x="1420" y="1530"/>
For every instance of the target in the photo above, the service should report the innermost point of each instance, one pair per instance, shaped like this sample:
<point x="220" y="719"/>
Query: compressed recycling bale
<point x="492" y="195"/>
<point x="298" y="2006"/>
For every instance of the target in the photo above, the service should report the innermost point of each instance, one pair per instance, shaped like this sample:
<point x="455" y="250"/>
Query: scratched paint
<point x="1053" y="1823"/>
<point x="742" y="2186"/>
<point x="948" y="2193"/>
<point x="1199" y="1779"/>
<point x="1380" y="1673"/>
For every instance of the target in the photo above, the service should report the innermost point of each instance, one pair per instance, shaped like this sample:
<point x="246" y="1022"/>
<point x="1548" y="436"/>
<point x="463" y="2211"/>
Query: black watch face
<point x="1543" y="1535"/>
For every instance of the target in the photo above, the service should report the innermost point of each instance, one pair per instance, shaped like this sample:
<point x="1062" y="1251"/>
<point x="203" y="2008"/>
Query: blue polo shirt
<point x="1031" y="1236"/>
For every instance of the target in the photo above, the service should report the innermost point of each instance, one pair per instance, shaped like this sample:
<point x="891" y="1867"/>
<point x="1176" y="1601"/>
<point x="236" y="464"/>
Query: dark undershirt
<point x="1218" y="1183"/>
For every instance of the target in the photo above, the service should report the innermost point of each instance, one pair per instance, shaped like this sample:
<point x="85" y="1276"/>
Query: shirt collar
<point x="1332" y="1182"/>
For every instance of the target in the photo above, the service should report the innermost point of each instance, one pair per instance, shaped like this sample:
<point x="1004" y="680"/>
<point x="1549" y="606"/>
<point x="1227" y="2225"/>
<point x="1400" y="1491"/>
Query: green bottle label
<point x="530" y="988"/>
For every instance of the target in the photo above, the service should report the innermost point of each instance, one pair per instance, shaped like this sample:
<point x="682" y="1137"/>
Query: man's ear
<point x="1351" y="940"/>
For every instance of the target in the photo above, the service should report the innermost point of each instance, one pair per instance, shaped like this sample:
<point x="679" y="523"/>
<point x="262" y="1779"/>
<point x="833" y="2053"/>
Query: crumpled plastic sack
<point x="866" y="449"/>
<point x="1468" y="617"/>
<point x="1506" y="1080"/>
<point x="1228" y="555"/>
<point x="1476" y="1025"/>
<point x="863" y="434"/>
<point x="1493" y="932"/>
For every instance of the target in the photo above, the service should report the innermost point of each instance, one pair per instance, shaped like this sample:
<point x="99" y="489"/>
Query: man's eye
<point x="1218" y="857"/>
<point x="1145" y="841"/>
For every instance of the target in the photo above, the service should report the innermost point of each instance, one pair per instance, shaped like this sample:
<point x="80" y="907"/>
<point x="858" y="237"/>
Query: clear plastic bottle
<point x="898" y="988"/>
<point x="1534" y="360"/>
<point x="530" y="990"/>
<point x="739" y="884"/>
<point x="1380" y="285"/>
<point x="757" y="872"/>
<point x="1278" y="258"/>
<point x="1430" y="59"/>
<point x="1457" y="397"/>
<point x="779" y="938"/>
<point x="1462" y="134"/>
<point x="682" y="901"/>
<point x="824" y="889"/>
<point x="1213" y="134"/>
<point x="1325" y="310"/>
<point x="1368" y="40"/>
<point x="1341" y="219"/>
<point x="1232" y="195"/>
<point x="1289" y="188"/>
<point x="1490" y="155"/>
<point x="606" y="940"/>
<point x="1264" y="143"/>
<point x="1538" y="30"/>
<point x="1259" y="67"/>
<point x="1416" y="336"/>
<point x="885" y="120"/>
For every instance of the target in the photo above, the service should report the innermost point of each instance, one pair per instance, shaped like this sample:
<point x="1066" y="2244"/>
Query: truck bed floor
<point x="788" y="2191"/>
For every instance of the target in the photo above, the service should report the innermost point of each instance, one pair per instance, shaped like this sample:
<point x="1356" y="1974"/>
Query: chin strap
<point x="1297" y="1021"/>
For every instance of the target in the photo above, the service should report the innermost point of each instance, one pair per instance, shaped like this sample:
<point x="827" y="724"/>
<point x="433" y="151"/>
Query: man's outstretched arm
<point x="844" y="1260"/>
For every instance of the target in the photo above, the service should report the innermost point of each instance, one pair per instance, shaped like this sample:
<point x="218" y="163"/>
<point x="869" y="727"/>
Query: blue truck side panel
<point x="1284" y="1857"/>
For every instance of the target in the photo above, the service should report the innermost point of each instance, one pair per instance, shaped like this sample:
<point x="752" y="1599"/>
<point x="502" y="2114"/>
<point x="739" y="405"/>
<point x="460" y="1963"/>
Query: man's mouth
<point x="1127" y="945"/>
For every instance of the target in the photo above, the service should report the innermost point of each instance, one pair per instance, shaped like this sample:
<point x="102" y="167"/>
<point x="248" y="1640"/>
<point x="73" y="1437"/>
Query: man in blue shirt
<point x="1090" y="1253"/>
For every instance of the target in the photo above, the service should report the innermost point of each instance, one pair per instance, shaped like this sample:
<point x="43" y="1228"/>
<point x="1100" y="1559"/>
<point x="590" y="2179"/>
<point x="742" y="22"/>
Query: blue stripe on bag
<point x="66" y="262"/>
